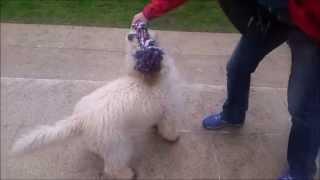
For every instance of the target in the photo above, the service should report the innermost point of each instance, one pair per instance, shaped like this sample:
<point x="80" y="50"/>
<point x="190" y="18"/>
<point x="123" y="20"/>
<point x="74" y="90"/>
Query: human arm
<point x="156" y="8"/>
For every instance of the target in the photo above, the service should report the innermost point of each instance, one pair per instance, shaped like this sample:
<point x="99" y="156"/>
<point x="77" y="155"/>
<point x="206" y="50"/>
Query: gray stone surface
<point x="46" y="69"/>
<point x="199" y="154"/>
<point x="58" y="63"/>
<point x="66" y="52"/>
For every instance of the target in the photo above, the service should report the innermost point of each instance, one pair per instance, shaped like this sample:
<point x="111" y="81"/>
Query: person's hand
<point x="139" y="17"/>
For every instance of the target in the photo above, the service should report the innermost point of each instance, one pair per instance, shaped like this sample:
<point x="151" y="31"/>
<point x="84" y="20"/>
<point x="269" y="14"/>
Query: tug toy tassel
<point x="148" y="57"/>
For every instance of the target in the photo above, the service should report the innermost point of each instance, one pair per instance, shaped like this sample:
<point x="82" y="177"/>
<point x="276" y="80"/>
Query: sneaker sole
<point x="224" y="126"/>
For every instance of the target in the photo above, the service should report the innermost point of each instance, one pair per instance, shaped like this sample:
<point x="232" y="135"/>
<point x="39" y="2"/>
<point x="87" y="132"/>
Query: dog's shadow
<point x="150" y="158"/>
<point x="155" y="157"/>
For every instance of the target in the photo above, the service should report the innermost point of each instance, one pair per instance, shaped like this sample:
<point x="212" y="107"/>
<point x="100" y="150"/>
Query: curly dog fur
<point x="108" y="118"/>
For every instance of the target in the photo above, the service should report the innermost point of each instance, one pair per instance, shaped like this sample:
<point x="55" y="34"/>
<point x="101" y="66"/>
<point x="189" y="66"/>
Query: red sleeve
<point x="158" y="8"/>
<point x="307" y="16"/>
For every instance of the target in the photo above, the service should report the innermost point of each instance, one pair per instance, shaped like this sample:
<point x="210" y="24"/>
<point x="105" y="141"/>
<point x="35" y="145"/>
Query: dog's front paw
<point x="172" y="138"/>
<point x="125" y="173"/>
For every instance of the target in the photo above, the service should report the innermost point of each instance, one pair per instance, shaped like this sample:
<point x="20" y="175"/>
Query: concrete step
<point x="101" y="65"/>
<point x="112" y="39"/>
<point x="26" y="103"/>
<point x="88" y="53"/>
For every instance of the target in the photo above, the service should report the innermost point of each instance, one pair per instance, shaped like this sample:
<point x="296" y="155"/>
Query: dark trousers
<point x="303" y="89"/>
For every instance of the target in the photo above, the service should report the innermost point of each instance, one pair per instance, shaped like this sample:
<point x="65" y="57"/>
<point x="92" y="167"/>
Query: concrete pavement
<point x="46" y="69"/>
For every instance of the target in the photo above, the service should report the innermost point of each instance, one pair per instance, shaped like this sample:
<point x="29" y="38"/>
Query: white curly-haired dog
<point x="108" y="118"/>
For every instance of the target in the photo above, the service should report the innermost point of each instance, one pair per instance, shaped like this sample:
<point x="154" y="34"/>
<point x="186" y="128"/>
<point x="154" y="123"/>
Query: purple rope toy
<point x="148" y="57"/>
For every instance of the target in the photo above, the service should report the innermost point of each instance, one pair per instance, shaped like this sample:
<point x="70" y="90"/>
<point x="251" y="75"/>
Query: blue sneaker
<point x="216" y="121"/>
<point x="286" y="177"/>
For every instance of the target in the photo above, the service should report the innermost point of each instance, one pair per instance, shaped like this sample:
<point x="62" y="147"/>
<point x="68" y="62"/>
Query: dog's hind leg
<point x="122" y="173"/>
<point x="167" y="129"/>
<point x="116" y="162"/>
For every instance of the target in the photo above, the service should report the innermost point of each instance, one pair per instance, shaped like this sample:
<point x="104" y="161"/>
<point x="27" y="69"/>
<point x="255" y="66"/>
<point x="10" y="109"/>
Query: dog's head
<point x="146" y="60"/>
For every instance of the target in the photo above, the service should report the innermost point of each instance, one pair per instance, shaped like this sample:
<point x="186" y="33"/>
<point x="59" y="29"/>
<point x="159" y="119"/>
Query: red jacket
<point x="306" y="15"/>
<point x="158" y="8"/>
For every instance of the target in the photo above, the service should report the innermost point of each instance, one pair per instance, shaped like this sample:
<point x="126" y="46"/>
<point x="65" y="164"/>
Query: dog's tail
<point x="48" y="135"/>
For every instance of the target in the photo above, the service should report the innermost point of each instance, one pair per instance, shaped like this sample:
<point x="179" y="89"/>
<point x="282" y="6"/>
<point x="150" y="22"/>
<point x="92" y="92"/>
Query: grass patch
<point x="195" y="15"/>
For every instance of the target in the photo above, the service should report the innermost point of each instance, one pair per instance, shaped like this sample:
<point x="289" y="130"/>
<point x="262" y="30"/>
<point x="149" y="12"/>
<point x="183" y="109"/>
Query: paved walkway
<point x="46" y="69"/>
